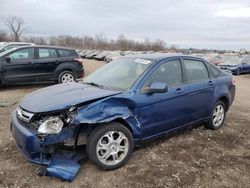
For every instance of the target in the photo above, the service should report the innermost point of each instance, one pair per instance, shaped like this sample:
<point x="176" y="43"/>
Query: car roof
<point x="8" y="43"/>
<point x="159" y="56"/>
<point x="46" y="46"/>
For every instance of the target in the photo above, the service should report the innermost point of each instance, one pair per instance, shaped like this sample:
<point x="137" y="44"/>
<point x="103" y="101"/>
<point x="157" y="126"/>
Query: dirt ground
<point x="194" y="158"/>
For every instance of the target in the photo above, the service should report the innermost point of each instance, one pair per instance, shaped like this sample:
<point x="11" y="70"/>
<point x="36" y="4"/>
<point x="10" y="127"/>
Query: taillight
<point x="233" y="81"/>
<point x="78" y="60"/>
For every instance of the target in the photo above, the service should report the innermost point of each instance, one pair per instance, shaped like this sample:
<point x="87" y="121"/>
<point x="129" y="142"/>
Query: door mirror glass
<point x="156" y="87"/>
<point x="7" y="59"/>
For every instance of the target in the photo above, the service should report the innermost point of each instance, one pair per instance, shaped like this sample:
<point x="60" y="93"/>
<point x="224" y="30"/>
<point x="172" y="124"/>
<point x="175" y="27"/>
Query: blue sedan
<point x="237" y="65"/>
<point x="119" y="106"/>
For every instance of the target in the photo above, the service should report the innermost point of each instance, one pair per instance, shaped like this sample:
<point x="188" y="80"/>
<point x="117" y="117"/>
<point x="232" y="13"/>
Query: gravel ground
<point x="193" y="158"/>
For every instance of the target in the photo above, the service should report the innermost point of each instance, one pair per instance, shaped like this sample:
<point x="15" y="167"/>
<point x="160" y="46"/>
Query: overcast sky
<point x="223" y="24"/>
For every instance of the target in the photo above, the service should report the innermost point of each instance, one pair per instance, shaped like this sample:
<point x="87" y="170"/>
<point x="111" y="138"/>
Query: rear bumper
<point x="27" y="142"/>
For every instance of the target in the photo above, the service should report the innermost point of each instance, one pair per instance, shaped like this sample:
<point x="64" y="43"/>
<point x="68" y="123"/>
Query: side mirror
<point x="156" y="87"/>
<point x="8" y="59"/>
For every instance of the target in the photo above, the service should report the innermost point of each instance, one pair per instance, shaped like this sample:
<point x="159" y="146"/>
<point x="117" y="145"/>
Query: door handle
<point x="210" y="83"/>
<point x="178" y="90"/>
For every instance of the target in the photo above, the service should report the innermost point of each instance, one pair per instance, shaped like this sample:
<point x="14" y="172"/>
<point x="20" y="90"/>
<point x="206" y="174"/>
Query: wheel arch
<point x="225" y="100"/>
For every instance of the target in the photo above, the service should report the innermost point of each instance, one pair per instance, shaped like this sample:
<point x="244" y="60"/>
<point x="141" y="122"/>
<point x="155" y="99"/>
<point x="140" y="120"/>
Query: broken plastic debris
<point x="64" y="165"/>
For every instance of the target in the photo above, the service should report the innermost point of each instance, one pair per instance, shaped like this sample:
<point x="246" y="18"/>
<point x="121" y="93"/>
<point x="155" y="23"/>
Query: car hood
<point x="62" y="96"/>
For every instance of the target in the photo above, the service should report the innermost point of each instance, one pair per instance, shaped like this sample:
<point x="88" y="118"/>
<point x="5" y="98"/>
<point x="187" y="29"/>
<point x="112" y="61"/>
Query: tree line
<point x="16" y="27"/>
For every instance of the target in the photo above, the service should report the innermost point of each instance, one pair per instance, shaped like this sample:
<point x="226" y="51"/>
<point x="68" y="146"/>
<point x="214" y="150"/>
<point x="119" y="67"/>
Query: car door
<point x="160" y="112"/>
<point x="199" y="88"/>
<point x="20" y="66"/>
<point x="46" y="63"/>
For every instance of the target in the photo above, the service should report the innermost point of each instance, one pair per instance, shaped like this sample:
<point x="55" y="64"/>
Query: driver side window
<point x="22" y="54"/>
<point x="169" y="73"/>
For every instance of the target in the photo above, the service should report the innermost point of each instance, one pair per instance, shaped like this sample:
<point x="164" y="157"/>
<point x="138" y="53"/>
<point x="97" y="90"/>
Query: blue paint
<point x="147" y="115"/>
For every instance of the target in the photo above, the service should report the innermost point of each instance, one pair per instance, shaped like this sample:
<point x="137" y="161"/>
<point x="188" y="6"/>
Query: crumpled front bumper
<point x="27" y="141"/>
<point x="61" y="164"/>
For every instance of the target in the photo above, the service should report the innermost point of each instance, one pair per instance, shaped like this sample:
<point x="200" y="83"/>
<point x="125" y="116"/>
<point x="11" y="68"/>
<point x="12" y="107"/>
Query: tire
<point x="214" y="123"/>
<point x="66" y="77"/>
<point x="104" y="142"/>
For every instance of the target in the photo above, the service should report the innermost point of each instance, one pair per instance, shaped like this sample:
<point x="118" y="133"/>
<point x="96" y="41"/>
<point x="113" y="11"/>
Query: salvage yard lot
<point x="193" y="158"/>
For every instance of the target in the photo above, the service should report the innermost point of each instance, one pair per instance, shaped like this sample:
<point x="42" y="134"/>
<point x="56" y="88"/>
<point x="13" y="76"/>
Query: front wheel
<point x="217" y="116"/>
<point x="66" y="77"/>
<point x="110" y="146"/>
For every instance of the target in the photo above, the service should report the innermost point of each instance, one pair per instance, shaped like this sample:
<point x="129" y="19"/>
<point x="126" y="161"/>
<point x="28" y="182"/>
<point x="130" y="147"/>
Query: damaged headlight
<point x="51" y="125"/>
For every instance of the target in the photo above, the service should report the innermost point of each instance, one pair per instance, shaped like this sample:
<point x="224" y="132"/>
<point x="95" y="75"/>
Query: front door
<point x="160" y="112"/>
<point x="20" y="67"/>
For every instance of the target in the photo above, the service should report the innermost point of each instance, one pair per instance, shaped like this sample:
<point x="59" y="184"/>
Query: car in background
<point x="236" y="64"/>
<point x="9" y="45"/>
<point x="84" y="53"/>
<point x="121" y="105"/>
<point x="112" y="56"/>
<point x="39" y="64"/>
<point x="92" y="55"/>
<point x="214" y="59"/>
<point x="101" y="56"/>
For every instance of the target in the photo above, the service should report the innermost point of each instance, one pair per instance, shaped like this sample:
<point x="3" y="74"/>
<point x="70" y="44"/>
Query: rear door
<point x="199" y="88"/>
<point x="46" y="63"/>
<point x="21" y="66"/>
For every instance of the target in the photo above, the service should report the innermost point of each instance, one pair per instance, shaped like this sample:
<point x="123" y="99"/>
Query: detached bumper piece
<point x="63" y="165"/>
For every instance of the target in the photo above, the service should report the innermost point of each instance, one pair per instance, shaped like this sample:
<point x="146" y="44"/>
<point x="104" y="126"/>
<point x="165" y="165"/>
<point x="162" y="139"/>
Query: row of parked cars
<point x="108" y="55"/>
<point x="27" y="62"/>
<point x="235" y="63"/>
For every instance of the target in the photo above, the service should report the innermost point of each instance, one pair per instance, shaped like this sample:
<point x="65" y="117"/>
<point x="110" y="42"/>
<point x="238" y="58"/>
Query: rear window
<point x="47" y="53"/>
<point x="215" y="71"/>
<point x="66" y="53"/>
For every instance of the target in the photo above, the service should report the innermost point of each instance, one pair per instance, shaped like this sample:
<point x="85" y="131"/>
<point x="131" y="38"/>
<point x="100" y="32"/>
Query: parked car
<point x="9" y="45"/>
<point x="83" y="54"/>
<point x="92" y="55"/>
<point x="40" y="63"/>
<point x="122" y="104"/>
<point x="214" y="59"/>
<point x="236" y="65"/>
<point x="101" y="56"/>
<point x="112" y="56"/>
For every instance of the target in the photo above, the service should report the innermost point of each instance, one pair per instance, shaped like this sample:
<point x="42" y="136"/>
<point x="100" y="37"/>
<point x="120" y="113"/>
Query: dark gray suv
<point x="39" y="64"/>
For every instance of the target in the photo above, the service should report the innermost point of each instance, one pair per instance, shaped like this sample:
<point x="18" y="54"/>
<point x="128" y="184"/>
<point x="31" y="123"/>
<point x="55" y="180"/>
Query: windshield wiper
<point x="93" y="84"/>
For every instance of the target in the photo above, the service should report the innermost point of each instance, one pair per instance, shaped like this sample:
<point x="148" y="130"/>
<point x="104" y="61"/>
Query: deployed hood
<point x="62" y="96"/>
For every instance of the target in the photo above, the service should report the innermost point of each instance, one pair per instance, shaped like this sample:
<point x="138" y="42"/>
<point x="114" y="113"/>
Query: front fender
<point x="108" y="110"/>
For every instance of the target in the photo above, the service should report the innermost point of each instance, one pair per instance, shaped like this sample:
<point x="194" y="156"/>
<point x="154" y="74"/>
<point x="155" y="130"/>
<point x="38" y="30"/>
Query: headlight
<point x="51" y="125"/>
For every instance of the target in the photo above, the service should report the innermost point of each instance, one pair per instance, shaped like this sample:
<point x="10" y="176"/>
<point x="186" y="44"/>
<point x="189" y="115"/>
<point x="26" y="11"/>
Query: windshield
<point x="2" y="44"/>
<point x="6" y="51"/>
<point x="120" y="74"/>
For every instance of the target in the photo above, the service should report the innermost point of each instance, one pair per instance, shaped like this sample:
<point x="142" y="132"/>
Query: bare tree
<point x="4" y="36"/>
<point x="15" y="25"/>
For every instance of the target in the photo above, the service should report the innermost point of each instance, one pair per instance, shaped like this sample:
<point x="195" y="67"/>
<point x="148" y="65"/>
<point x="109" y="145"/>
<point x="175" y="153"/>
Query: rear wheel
<point x="110" y="146"/>
<point x="66" y="77"/>
<point x="217" y="116"/>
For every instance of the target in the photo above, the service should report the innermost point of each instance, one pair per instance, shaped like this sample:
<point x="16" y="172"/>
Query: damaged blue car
<point x="118" y="107"/>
